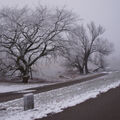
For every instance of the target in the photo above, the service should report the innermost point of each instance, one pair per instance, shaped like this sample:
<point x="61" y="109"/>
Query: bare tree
<point x="103" y="49"/>
<point x="29" y="35"/>
<point x="99" y="61"/>
<point x="73" y="54"/>
<point x="85" y="42"/>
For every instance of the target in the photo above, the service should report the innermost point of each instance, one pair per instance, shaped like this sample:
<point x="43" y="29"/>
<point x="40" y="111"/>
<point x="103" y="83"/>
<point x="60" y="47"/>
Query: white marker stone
<point x="28" y="101"/>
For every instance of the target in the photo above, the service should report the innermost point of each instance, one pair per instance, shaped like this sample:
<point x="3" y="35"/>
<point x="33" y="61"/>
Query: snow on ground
<point x="10" y="87"/>
<point x="56" y="100"/>
<point x="21" y="88"/>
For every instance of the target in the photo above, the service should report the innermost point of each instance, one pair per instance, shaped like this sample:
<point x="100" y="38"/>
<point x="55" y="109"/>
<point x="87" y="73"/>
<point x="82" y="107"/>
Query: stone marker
<point x="28" y="101"/>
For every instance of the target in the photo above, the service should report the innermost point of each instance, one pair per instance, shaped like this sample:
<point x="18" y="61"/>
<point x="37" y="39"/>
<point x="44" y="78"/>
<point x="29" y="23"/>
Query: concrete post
<point x="28" y="101"/>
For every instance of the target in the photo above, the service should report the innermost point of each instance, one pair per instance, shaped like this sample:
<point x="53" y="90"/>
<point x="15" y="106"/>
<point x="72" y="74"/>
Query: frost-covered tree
<point x="29" y="35"/>
<point x="84" y="41"/>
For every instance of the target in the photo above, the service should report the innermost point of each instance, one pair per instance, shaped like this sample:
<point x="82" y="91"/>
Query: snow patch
<point x="25" y="91"/>
<point x="9" y="87"/>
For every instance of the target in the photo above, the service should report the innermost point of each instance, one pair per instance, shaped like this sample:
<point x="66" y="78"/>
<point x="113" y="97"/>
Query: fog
<point x="104" y="12"/>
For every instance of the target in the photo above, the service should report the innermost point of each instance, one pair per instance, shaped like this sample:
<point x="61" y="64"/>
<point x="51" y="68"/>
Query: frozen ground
<point x="20" y="87"/>
<point x="56" y="100"/>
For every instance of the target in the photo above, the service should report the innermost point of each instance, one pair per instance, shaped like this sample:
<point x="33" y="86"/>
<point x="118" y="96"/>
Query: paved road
<point x="13" y="95"/>
<point x="105" y="107"/>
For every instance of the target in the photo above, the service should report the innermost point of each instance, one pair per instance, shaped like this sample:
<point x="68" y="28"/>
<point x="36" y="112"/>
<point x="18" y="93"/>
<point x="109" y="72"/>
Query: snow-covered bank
<point x="9" y="87"/>
<point x="56" y="100"/>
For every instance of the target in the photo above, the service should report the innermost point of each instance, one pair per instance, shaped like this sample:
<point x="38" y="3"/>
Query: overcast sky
<point x="104" y="12"/>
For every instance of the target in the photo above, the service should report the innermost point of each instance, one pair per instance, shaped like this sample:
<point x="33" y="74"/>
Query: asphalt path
<point x="4" y="97"/>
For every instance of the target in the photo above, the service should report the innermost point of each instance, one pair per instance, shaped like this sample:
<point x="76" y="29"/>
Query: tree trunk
<point x="86" y="65"/>
<point x="25" y="76"/>
<point x="86" y="68"/>
<point x="81" y="70"/>
<point x="31" y="76"/>
<point x="80" y="67"/>
<point x="25" y="79"/>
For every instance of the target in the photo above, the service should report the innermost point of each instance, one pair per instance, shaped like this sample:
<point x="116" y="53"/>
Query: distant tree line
<point x="28" y="35"/>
